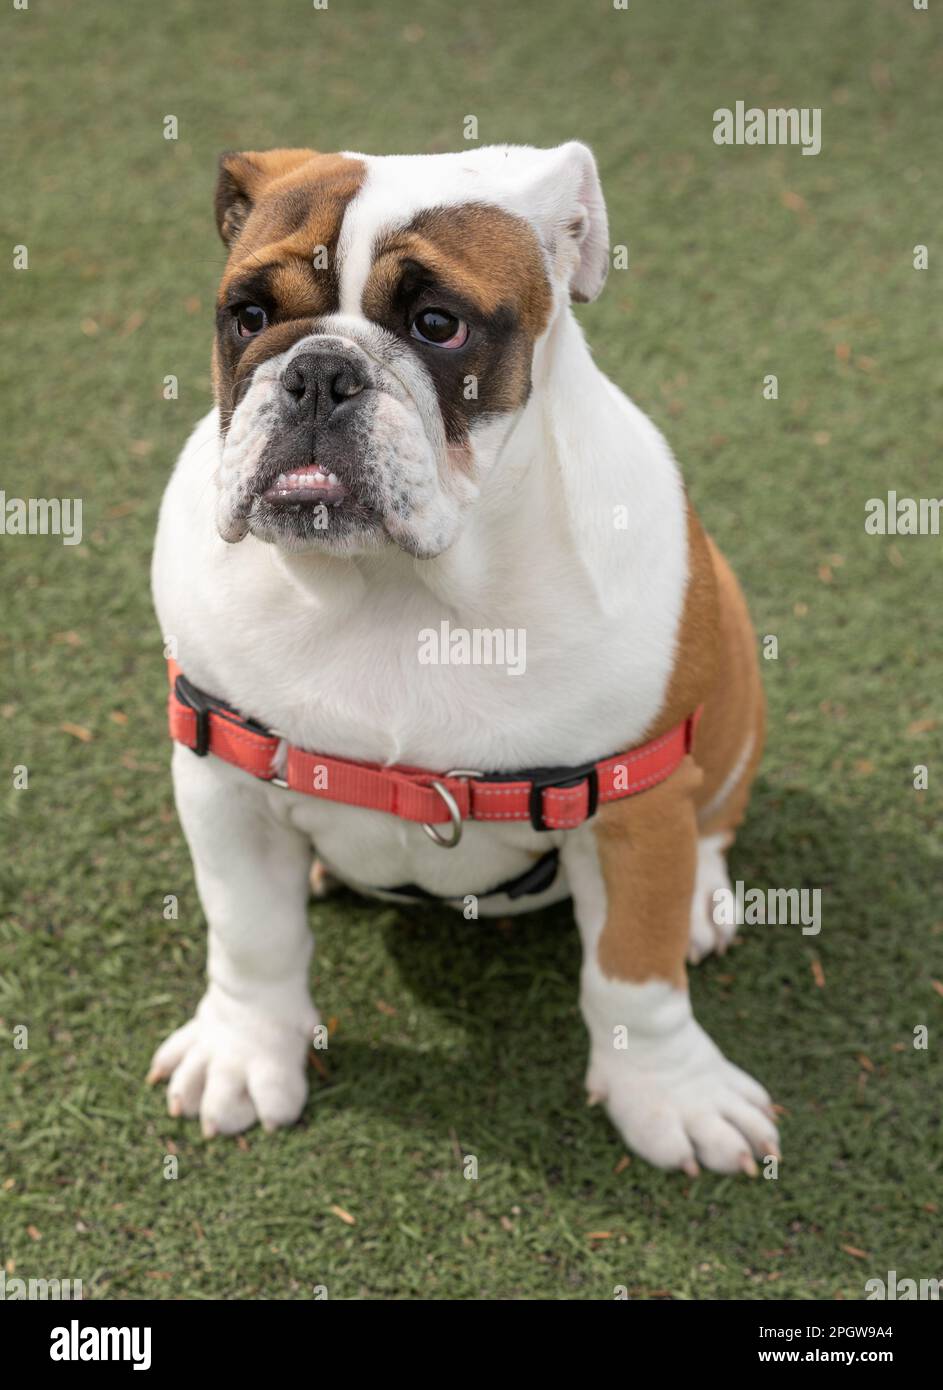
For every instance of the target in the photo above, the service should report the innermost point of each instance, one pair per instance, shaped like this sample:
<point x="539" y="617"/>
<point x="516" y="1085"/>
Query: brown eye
<point x="439" y="327"/>
<point x="249" y="319"/>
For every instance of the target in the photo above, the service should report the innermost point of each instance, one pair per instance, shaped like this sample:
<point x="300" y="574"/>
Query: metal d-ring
<point x="278" y="781"/>
<point x="451" y="804"/>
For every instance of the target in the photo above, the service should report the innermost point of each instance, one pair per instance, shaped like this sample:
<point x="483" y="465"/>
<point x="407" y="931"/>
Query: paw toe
<point x="171" y="1052"/>
<point x="227" y="1107"/>
<point x="278" y="1092"/>
<point x="186" y="1084"/>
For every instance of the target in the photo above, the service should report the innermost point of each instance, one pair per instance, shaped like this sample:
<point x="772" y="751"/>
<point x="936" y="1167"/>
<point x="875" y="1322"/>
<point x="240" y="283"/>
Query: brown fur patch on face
<point x="281" y="213"/>
<point x="235" y="380"/>
<point x="242" y="176"/>
<point x="485" y="254"/>
<point x="484" y="266"/>
<point x="277" y="194"/>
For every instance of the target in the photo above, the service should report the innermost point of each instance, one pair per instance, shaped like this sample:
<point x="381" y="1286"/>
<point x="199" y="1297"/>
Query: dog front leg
<point x="670" y="1092"/>
<point x="243" y="1056"/>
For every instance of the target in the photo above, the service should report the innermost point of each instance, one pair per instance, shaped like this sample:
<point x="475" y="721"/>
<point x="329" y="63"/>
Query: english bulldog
<point x="410" y="431"/>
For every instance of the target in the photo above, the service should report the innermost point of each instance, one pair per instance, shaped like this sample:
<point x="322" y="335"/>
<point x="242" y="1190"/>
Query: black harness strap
<point x="537" y="879"/>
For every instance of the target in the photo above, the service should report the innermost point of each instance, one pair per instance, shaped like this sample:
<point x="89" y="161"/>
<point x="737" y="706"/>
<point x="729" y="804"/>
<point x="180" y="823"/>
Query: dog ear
<point x="565" y="200"/>
<point x="242" y="178"/>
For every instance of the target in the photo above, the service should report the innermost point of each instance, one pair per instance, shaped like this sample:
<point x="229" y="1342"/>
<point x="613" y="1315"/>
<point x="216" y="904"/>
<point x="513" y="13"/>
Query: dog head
<point x="376" y="327"/>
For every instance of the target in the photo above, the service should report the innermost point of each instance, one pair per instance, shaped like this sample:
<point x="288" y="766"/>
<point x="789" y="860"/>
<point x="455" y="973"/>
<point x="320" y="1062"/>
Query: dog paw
<point x="233" y="1065"/>
<point x="699" y="1110"/>
<point x="707" y="934"/>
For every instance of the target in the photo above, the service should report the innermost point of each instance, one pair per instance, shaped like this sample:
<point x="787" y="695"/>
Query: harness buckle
<point x="201" y="705"/>
<point x="543" y="778"/>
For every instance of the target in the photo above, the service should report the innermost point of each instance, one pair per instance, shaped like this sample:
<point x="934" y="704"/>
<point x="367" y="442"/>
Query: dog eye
<point x="249" y="320"/>
<point x="439" y="327"/>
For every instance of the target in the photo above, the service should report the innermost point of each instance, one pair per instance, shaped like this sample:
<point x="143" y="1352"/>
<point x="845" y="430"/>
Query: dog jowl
<point x="411" y="440"/>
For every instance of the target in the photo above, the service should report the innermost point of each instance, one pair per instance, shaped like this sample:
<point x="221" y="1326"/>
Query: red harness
<point x="554" y="798"/>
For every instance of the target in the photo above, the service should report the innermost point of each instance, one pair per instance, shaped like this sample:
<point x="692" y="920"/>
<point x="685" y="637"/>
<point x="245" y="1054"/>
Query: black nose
<point x="319" y="382"/>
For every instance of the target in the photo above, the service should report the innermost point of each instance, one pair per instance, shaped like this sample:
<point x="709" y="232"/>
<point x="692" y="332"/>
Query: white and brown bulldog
<point x="410" y="431"/>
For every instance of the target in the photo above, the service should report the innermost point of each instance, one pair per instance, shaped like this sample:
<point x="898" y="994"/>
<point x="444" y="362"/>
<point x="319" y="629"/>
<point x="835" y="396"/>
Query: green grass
<point x="743" y="262"/>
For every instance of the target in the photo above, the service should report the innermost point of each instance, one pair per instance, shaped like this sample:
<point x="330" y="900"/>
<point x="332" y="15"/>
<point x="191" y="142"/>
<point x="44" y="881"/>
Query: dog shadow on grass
<point x="507" y="1071"/>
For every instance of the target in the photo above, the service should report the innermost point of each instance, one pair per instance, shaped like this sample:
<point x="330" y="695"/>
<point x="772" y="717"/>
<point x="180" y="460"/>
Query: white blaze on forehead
<point x="398" y="187"/>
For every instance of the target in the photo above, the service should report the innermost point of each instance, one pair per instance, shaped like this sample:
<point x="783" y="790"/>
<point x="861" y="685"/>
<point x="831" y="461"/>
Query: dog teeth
<point x="289" y="481"/>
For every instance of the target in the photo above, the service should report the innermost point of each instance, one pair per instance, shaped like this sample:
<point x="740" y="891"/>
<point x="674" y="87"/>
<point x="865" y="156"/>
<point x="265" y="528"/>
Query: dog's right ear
<point x="242" y="178"/>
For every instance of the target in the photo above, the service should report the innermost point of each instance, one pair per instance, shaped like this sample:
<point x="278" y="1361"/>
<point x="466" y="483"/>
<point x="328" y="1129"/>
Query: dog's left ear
<point x="564" y="199"/>
<point x="241" y="179"/>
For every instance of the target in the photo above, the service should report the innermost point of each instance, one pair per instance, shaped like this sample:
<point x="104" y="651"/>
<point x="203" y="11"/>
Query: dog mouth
<point x="306" y="503"/>
<point x="304" y="485"/>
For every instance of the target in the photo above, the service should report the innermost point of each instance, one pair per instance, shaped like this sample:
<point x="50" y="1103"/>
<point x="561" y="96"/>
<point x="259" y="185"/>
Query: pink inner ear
<point x="568" y="198"/>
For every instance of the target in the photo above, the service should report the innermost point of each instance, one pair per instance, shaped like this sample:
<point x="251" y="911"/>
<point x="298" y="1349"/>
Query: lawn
<point x="453" y="1038"/>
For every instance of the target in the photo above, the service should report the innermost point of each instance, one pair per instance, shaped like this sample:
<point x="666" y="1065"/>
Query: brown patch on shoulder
<point x="647" y="844"/>
<point x="280" y="212"/>
<point x="696" y="653"/>
<point x="716" y="665"/>
<point x="734" y="718"/>
<point x="486" y="266"/>
<point x="647" y="848"/>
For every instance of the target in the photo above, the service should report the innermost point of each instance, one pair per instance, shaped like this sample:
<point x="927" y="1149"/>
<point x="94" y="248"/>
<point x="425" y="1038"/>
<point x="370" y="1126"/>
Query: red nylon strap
<point x="229" y="739"/>
<point x="408" y="792"/>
